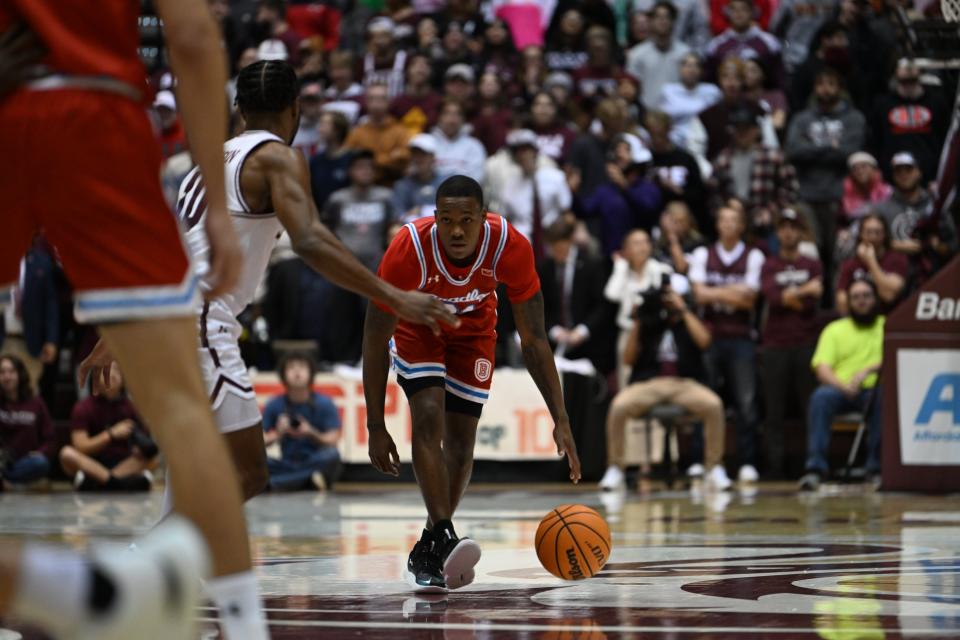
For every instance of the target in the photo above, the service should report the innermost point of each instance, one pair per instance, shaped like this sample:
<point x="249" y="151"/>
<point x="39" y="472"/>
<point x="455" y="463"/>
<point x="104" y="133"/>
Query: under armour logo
<point x="433" y="279"/>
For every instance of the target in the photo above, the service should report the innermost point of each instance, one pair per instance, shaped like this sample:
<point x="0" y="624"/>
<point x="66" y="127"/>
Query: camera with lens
<point x="140" y="439"/>
<point x="651" y="310"/>
<point x="294" y="421"/>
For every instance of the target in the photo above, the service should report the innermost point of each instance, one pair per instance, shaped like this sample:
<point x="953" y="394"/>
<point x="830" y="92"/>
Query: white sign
<point x="515" y="424"/>
<point x="928" y="395"/>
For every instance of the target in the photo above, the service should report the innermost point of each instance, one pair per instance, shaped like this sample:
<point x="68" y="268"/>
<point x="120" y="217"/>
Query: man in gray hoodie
<point x="819" y="141"/>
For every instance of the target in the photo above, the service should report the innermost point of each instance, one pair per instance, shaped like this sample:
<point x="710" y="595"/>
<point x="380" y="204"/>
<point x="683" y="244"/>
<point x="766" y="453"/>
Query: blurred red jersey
<point x="84" y="37"/>
<point x="416" y="260"/>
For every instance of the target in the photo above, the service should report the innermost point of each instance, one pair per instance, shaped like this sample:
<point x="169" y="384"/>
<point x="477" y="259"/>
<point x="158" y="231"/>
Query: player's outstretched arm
<point x="288" y="176"/>
<point x="377" y="330"/>
<point x="198" y="62"/>
<point x="539" y="360"/>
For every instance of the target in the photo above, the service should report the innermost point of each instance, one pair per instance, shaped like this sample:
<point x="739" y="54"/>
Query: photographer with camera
<point x="109" y="450"/>
<point x="665" y="348"/>
<point x="307" y="426"/>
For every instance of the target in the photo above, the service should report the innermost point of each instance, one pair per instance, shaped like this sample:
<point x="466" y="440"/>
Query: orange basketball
<point x="573" y="542"/>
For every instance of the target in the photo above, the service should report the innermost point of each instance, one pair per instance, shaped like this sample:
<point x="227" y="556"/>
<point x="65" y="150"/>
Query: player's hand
<point x="19" y="50"/>
<point x="423" y="308"/>
<point x="97" y="365"/>
<point x="383" y="452"/>
<point x="48" y="353"/>
<point x="226" y="259"/>
<point x="566" y="446"/>
<point x="121" y="430"/>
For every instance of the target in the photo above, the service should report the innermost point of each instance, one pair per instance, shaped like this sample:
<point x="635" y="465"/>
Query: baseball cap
<point x="638" y="153"/>
<point x="381" y="23"/>
<point x="272" y="49"/>
<point x="424" y="142"/>
<point x="861" y="157"/>
<point x="521" y="138"/>
<point x="165" y="99"/>
<point x="790" y="215"/>
<point x="558" y="79"/>
<point x="462" y="71"/>
<point x="903" y="158"/>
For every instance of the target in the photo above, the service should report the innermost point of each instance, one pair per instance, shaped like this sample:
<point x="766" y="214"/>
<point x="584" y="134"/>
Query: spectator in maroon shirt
<point x="493" y="119"/>
<point x="26" y="433"/>
<point x="109" y="450"/>
<point x="553" y="135"/>
<point x="877" y="261"/>
<point x="419" y="106"/>
<point x="792" y="285"/>
<point x="600" y="75"/>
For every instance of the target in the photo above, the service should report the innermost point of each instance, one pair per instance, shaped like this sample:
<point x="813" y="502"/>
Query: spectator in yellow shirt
<point x="846" y="362"/>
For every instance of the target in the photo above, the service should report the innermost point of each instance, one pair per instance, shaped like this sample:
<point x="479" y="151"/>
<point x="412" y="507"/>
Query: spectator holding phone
<point x="306" y="424"/>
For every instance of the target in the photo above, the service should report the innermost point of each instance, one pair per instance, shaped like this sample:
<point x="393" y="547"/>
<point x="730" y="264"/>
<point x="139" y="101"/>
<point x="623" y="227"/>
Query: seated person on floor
<point x="110" y="449"/>
<point x="26" y="432"/>
<point x="665" y="348"/>
<point x="307" y="426"/>
<point x="848" y="357"/>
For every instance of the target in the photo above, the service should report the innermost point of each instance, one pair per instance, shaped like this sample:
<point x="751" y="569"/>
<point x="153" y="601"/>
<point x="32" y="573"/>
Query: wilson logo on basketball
<point x="575" y="572"/>
<point x="482" y="369"/>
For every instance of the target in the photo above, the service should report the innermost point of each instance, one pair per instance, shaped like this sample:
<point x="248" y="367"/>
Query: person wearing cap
<point x="791" y="284"/>
<point x="173" y="138"/>
<point x="384" y="63"/>
<point x="455" y="49"/>
<point x="308" y="133"/>
<point x="628" y="199"/>
<point x="863" y="187"/>
<point x="419" y="105"/>
<point x="657" y="61"/>
<point x="909" y="118"/>
<point x="726" y="281"/>
<point x="537" y="196"/>
<point x="459" y="83"/>
<point x="415" y="194"/>
<point x="381" y="134"/>
<point x="875" y="259"/>
<point x="362" y="213"/>
<point x="457" y="151"/>
<point x="270" y="25"/>
<point x="755" y="174"/>
<point x="819" y="141"/>
<point x="908" y="209"/>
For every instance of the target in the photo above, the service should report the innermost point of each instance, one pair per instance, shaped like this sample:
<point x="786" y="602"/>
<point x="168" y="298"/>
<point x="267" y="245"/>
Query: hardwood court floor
<point x="840" y="565"/>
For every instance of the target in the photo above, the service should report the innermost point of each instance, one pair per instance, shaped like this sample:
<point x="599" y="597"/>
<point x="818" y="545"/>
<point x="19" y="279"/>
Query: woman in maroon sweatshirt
<point x="26" y="432"/>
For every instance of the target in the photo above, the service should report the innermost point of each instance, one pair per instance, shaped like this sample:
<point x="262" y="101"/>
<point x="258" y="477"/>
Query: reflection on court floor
<point x="768" y="565"/>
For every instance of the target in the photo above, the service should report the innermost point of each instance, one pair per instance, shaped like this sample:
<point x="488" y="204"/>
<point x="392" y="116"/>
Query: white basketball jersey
<point x="257" y="232"/>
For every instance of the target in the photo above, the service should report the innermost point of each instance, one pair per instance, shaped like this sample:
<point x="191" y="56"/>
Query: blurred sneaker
<point x="748" y="473"/>
<point x="695" y="470"/>
<point x="717" y="479"/>
<point x="318" y="481"/>
<point x="157" y="589"/>
<point x="459" y="555"/>
<point x="810" y="481"/>
<point x="424" y="571"/>
<point x="613" y="479"/>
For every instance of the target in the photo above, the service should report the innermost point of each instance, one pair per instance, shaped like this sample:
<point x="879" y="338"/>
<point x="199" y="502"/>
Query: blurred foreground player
<point x="84" y="165"/>
<point x="459" y="256"/>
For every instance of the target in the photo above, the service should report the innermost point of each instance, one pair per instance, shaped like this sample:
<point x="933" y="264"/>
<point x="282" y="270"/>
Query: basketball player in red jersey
<point x="83" y="163"/>
<point x="460" y="255"/>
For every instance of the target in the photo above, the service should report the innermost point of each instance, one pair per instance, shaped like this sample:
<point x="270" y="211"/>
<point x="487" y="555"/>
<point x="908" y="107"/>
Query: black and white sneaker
<point x="460" y="555"/>
<point x="424" y="566"/>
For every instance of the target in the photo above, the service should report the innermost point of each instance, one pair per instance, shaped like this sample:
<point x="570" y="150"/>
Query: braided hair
<point x="267" y="86"/>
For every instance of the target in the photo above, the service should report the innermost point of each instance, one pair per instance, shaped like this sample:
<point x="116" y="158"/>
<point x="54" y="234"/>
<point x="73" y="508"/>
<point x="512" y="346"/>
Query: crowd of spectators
<point x="704" y="185"/>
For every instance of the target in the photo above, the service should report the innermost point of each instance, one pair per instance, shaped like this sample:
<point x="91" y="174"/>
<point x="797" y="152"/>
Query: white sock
<point x="54" y="587"/>
<point x="237" y="597"/>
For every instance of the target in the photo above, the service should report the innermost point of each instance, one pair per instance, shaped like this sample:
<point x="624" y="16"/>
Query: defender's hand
<point x="226" y="260"/>
<point x="566" y="446"/>
<point x="423" y="308"/>
<point x="383" y="452"/>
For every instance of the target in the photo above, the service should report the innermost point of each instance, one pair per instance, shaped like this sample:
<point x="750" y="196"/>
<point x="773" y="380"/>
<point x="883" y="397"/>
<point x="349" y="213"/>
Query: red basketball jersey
<point x="416" y="260"/>
<point x="84" y="37"/>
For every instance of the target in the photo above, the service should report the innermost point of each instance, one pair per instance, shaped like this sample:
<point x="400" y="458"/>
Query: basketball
<point x="573" y="542"/>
